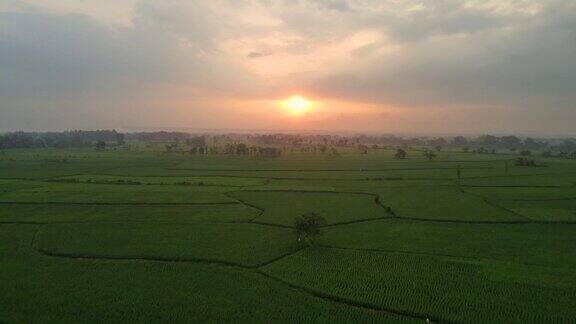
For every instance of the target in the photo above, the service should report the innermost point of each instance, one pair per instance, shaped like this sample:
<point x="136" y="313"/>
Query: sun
<point x="297" y="105"/>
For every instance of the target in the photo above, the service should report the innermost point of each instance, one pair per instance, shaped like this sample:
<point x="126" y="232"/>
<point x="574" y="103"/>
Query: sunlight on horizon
<point x="296" y="105"/>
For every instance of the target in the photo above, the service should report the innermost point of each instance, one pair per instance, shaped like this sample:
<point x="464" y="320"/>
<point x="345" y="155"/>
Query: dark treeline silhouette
<point x="277" y="144"/>
<point x="76" y="138"/>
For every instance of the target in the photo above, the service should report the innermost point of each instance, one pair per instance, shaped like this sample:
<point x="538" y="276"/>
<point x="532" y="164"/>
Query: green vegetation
<point x="440" y="288"/>
<point x="242" y="244"/>
<point x="307" y="227"/>
<point x="134" y="231"/>
<point x="442" y="203"/>
<point x="281" y="207"/>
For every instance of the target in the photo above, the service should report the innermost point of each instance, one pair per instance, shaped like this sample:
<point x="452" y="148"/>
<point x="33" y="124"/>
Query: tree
<point x="429" y="155"/>
<point x="511" y="142"/>
<point x="100" y="146"/>
<point x="120" y="139"/>
<point x="460" y="141"/>
<point x="522" y="161"/>
<point x="307" y="227"/>
<point x="525" y="153"/>
<point x="530" y="143"/>
<point x="400" y="154"/>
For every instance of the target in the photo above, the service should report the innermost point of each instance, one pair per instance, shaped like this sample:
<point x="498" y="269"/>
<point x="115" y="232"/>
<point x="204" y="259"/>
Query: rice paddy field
<point x="120" y="236"/>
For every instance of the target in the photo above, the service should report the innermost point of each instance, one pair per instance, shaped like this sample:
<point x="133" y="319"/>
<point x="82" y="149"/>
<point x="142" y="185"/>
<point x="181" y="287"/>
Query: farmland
<point x="145" y="235"/>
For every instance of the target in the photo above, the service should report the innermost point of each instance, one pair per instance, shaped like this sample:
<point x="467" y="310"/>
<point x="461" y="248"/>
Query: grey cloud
<point x="258" y="54"/>
<point x="68" y="67"/>
<point x="533" y="66"/>
<point x="448" y="53"/>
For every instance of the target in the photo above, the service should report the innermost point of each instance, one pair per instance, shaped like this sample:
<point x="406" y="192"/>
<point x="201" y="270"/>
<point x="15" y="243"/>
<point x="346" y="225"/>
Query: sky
<point x="398" y="66"/>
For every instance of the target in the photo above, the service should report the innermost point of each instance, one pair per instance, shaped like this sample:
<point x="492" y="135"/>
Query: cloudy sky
<point x="435" y="66"/>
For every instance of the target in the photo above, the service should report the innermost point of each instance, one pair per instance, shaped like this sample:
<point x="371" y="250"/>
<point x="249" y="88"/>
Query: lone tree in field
<point x="307" y="227"/>
<point x="400" y="154"/>
<point x="429" y="155"/>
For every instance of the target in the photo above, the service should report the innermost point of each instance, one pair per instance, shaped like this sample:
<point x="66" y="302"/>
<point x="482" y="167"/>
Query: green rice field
<point x="146" y="236"/>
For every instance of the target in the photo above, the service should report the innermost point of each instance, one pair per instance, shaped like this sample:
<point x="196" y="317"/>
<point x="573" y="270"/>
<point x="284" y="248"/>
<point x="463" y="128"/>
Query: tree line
<point x="263" y="144"/>
<point x="75" y="138"/>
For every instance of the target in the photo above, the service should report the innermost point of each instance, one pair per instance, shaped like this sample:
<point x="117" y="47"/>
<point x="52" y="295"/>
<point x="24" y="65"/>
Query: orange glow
<point x="297" y="105"/>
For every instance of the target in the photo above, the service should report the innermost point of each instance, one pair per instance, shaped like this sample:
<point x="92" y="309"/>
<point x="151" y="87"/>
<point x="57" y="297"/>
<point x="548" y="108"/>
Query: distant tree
<point x="460" y="140"/>
<point x="100" y="146"/>
<point x="400" y="154"/>
<point x="490" y="140"/>
<point x="307" y="227"/>
<point x="459" y="171"/>
<point x="522" y="161"/>
<point x="568" y="145"/>
<point x="510" y="142"/>
<point x="429" y="155"/>
<point x="547" y="154"/>
<point x="525" y="153"/>
<point x="170" y="148"/>
<point x="120" y="139"/>
<point x="530" y="143"/>
<point x="438" y="148"/>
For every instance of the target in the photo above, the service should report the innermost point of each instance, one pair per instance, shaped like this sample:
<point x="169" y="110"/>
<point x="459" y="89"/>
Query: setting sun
<point x="297" y="105"/>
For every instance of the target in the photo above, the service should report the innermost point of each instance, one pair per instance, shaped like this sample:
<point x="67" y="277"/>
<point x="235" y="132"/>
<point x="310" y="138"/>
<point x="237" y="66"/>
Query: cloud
<point x="258" y="54"/>
<point x="532" y="64"/>
<point x="70" y="67"/>
<point x="67" y="63"/>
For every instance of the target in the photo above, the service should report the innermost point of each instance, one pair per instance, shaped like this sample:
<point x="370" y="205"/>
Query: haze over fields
<point x="359" y="65"/>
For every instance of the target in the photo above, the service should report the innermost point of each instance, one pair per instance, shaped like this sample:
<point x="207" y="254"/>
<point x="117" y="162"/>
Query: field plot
<point x="281" y="207"/>
<point x="548" y="210"/>
<point x="105" y="193"/>
<point x="442" y="203"/>
<point x="37" y="288"/>
<point x="154" y="237"/>
<point x="535" y="203"/>
<point x="537" y="180"/>
<point x="527" y="193"/>
<point x="549" y="245"/>
<point x="57" y="213"/>
<point x="443" y="289"/>
<point x="244" y="244"/>
<point x="160" y="180"/>
<point x="344" y="174"/>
